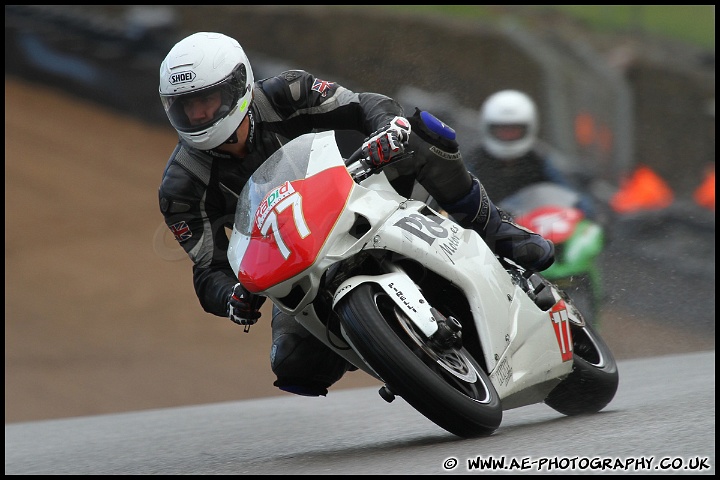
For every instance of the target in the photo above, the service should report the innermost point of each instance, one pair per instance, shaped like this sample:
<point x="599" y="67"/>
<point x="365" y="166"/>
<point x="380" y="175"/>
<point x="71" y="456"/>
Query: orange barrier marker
<point x="705" y="194"/>
<point x="644" y="190"/>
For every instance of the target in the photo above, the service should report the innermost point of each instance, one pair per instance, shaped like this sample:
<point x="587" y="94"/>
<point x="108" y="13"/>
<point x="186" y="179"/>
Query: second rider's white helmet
<point x="508" y="124"/>
<point x="200" y="64"/>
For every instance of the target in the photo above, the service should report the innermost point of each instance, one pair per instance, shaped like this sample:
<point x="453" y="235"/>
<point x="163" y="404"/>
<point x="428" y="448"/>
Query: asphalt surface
<point x="661" y="264"/>
<point x="662" y="420"/>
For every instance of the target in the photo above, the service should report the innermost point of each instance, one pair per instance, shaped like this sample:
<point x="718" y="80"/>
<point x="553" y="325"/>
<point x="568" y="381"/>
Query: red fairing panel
<point x="291" y="226"/>
<point x="553" y="223"/>
<point x="561" y="324"/>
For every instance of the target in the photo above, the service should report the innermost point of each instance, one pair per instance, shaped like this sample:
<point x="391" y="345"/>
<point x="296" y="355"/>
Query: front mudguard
<point x="404" y="293"/>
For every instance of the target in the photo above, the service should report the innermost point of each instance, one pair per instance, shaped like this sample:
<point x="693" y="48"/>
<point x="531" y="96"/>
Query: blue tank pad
<point x="437" y="126"/>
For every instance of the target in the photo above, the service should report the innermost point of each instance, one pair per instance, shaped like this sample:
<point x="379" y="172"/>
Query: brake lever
<point x="361" y="168"/>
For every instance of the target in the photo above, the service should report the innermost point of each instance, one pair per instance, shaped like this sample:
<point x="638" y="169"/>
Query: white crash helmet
<point x="508" y="124"/>
<point x="203" y="63"/>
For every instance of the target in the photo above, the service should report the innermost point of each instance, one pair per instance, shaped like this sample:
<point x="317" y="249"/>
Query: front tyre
<point x="446" y="385"/>
<point x="594" y="378"/>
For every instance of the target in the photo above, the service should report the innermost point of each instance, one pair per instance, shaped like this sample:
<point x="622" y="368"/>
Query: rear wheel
<point x="594" y="379"/>
<point x="445" y="384"/>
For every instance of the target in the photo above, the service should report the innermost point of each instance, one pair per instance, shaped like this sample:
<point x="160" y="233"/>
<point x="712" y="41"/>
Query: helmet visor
<point x="508" y="132"/>
<point x="197" y="110"/>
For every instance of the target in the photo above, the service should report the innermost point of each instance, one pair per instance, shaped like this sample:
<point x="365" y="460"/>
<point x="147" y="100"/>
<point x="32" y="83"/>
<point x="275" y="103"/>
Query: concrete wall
<point x="656" y="112"/>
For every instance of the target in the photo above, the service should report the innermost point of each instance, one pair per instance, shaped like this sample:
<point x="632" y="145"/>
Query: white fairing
<point x="505" y="317"/>
<point x="521" y="349"/>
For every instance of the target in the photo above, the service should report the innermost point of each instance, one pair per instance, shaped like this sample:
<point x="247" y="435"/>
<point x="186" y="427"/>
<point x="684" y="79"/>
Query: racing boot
<point x="504" y="237"/>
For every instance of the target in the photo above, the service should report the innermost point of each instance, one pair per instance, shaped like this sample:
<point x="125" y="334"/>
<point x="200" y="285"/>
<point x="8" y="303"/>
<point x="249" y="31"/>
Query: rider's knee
<point x="302" y="363"/>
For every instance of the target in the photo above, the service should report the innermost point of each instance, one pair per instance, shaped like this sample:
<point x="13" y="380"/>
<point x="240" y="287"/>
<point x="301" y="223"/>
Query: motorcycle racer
<point x="228" y="124"/>
<point x="511" y="156"/>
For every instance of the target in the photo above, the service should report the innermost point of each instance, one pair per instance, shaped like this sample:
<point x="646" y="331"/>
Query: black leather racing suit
<point x="504" y="177"/>
<point x="199" y="190"/>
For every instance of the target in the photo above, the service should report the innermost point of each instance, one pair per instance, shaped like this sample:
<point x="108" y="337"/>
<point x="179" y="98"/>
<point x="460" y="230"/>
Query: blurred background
<point x="100" y="311"/>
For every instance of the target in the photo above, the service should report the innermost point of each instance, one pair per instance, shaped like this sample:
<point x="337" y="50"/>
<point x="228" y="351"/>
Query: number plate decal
<point x="561" y="324"/>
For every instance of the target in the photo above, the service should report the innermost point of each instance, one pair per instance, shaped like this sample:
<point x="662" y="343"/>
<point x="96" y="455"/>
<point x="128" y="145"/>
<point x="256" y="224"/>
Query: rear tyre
<point x="446" y="385"/>
<point x="594" y="379"/>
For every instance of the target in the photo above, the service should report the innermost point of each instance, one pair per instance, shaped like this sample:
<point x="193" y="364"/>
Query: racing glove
<point x="387" y="142"/>
<point x="243" y="306"/>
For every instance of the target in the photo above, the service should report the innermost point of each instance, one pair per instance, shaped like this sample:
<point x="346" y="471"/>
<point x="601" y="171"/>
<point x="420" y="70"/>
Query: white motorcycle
<point x="407" y="295"/>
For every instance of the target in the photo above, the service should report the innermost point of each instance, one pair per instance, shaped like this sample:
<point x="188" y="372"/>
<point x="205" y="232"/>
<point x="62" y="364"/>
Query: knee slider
<point x="300" y="387"/>
<point x="434" y="131"/>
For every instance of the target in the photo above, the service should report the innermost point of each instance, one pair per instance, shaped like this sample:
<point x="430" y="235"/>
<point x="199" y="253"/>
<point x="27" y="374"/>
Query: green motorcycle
<point x="552" y="210"/>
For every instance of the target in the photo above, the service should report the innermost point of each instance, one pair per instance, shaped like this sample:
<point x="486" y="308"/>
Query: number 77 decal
<point x="561" y="324"/>
<point x="293" y="200"/>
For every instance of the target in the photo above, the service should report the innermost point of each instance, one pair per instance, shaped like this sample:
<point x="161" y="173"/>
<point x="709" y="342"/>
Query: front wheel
<point x="446" y="385"/>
